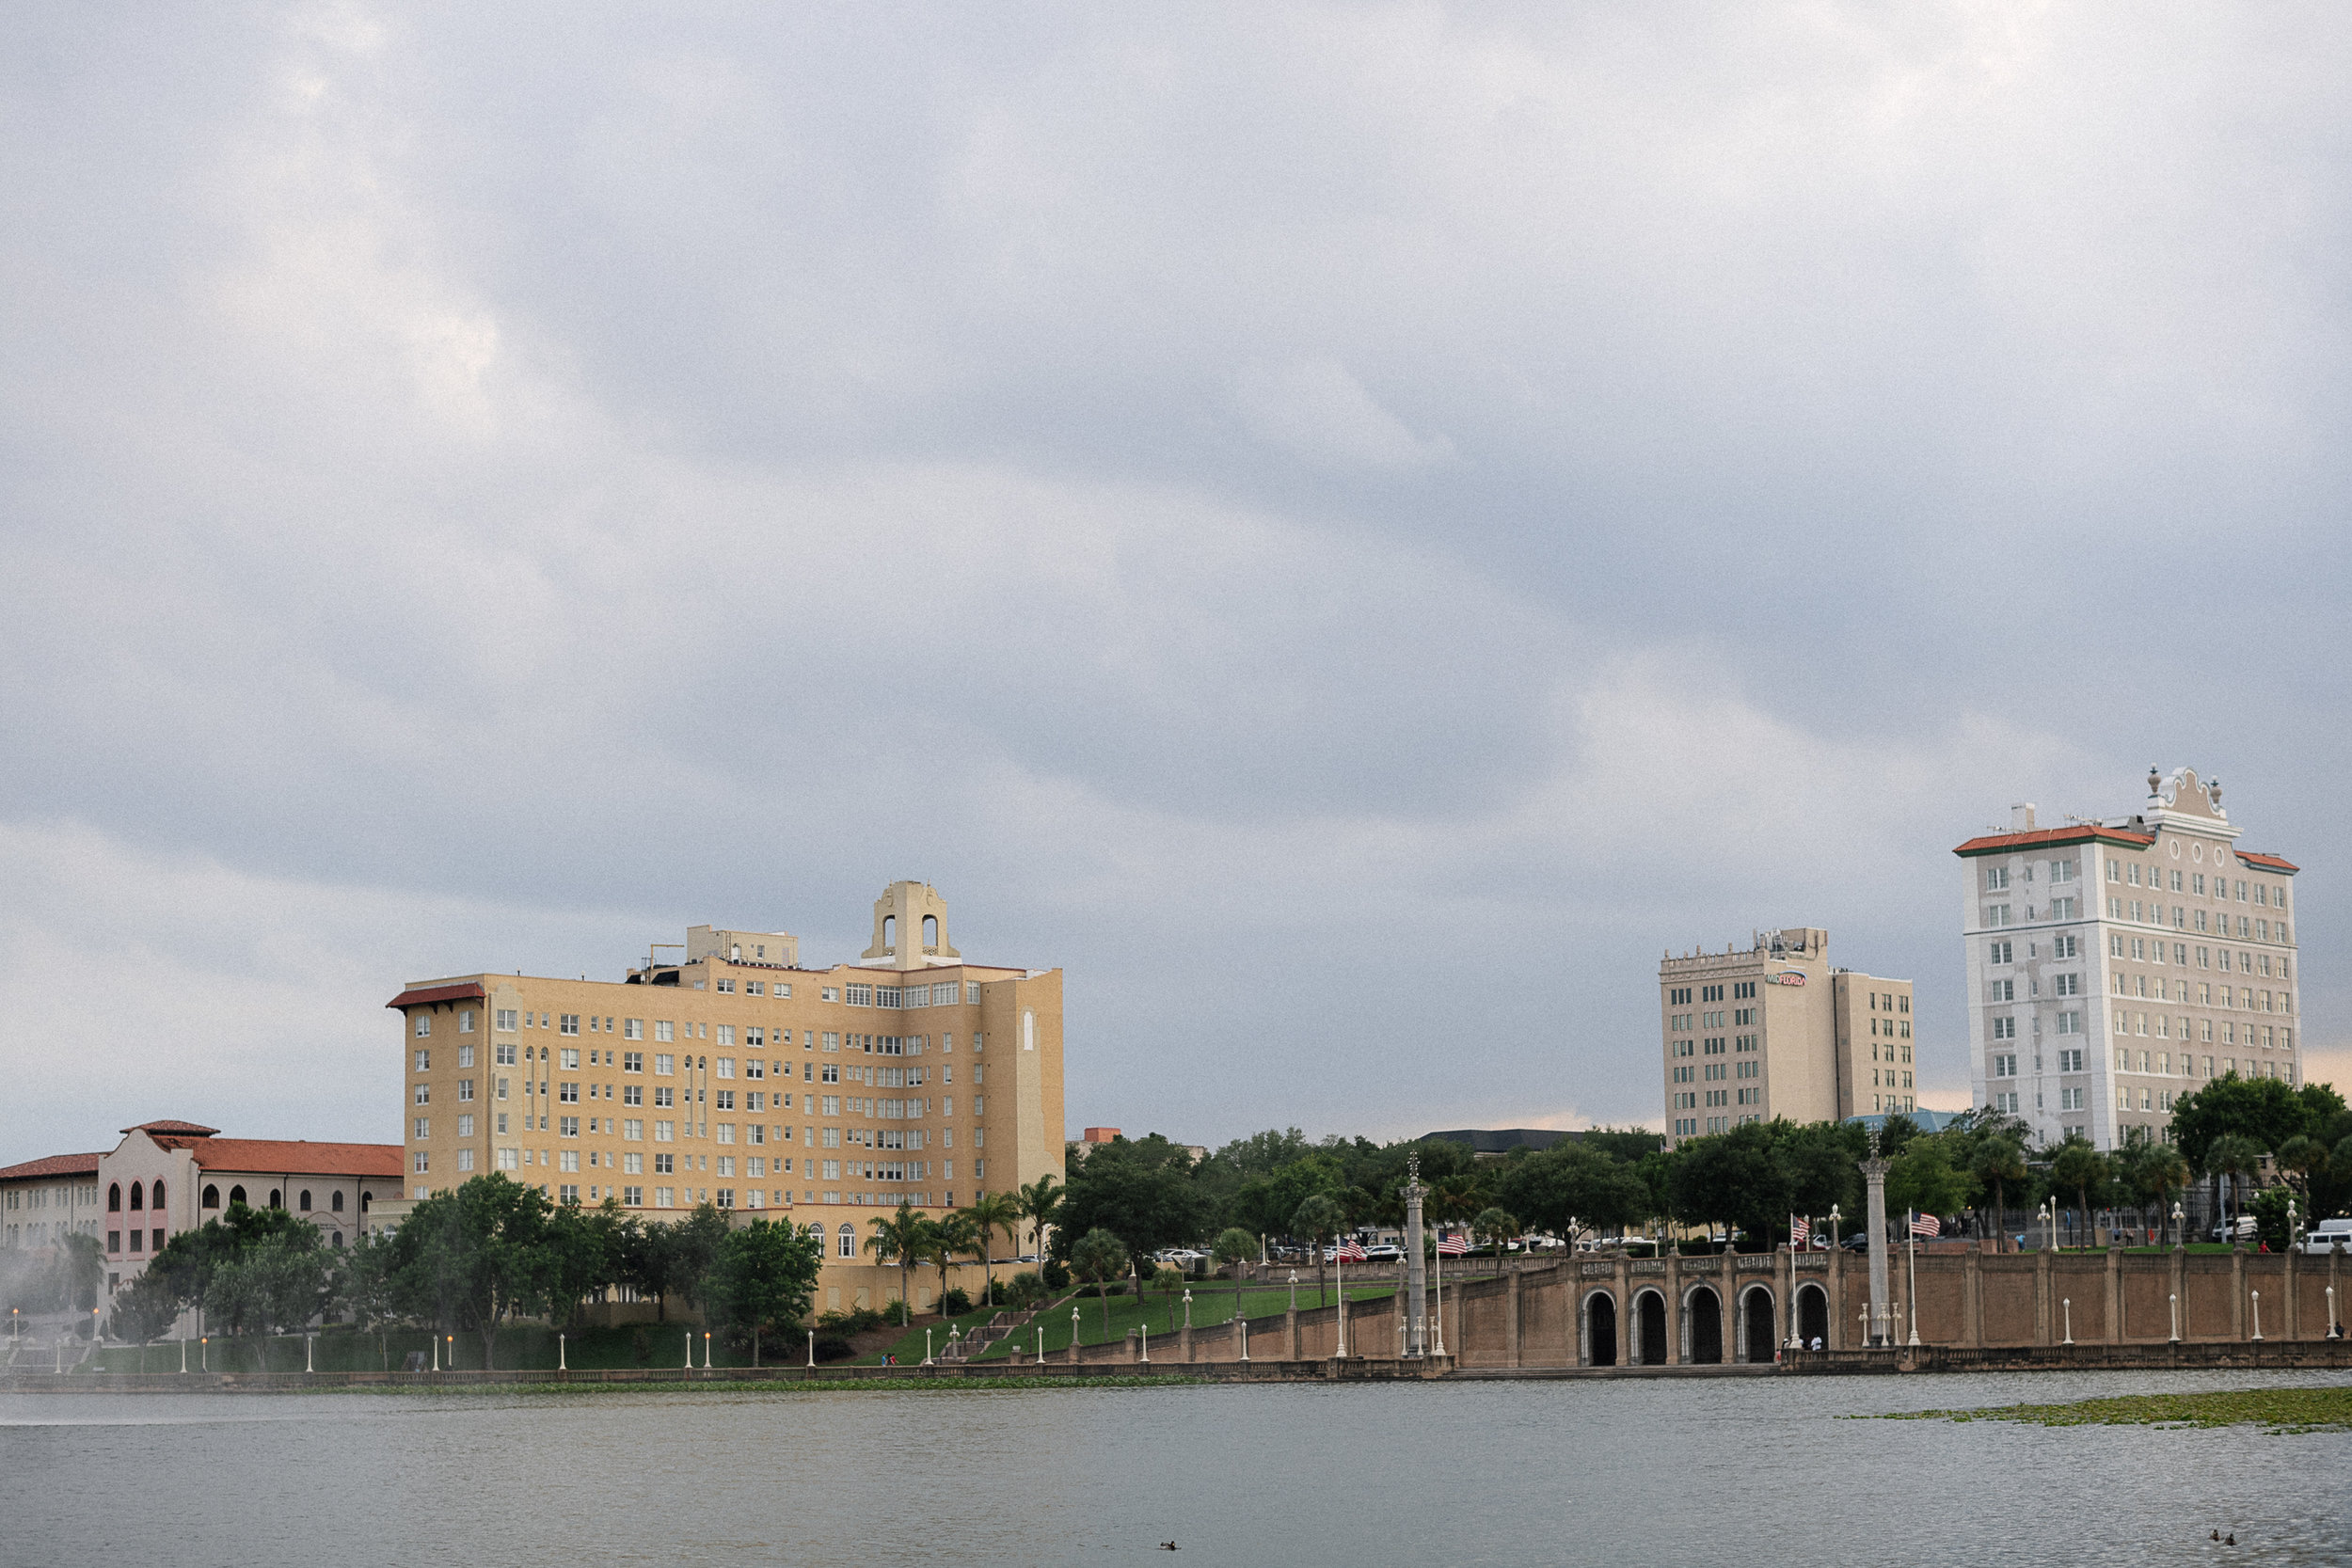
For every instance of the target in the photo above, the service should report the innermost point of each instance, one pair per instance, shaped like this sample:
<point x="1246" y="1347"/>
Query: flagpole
<point x="1792" y="1282"/>
<point x="1913" y="1291"/>
<point x="1441" y="1293"/>
<point x="1339" y="1271"/>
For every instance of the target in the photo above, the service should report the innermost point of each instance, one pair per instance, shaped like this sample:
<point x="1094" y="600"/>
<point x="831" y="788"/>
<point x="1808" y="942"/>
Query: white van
<point x="2328" y="1234"/>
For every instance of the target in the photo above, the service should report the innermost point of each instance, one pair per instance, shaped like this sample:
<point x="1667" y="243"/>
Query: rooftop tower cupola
<point x="911" y="927"/>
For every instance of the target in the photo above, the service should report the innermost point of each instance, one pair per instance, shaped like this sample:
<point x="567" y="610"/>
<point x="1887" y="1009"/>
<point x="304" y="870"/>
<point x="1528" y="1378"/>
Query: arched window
<point x="157" y="1195"/>
<point x="114" y="1198"/>
<point x="338" y="1238"/>
<point x="817" y="1232"/>
<point x="304" y="1202"/>
<point x="335" y="1200"/>
<point x="931" y="932"/>
<point x="890" y="931"/>
<point x="212" y="1197"/>
<point x="236" y="1195"/>
<point x="275" y="1200"/>
<point x="364" y="1199"/>
<point x="849" y="1241"/>
<point x="136" y="1195"/>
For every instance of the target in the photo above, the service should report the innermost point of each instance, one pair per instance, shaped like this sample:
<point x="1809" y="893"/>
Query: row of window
<point x="1996" y="877"/>
<point x="1993" y="916"/>
<point x="2253" y="928"/>
<point x="2127" y="873"/>
<point x="2153" y="1064"/>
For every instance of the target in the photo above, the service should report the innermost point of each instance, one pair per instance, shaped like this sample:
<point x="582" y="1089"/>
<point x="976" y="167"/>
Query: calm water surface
<point x="1734" y="1471"/>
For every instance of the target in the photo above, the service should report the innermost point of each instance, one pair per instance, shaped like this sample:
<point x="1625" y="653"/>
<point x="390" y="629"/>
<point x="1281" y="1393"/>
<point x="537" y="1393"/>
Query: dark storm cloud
<point x="1351" y="529"/>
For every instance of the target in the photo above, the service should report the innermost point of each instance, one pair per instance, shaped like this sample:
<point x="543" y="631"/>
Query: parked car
<point x="1383" y="1254"/>
<point x="2244" y="1226"/>
<point x="2328" y="1234"/>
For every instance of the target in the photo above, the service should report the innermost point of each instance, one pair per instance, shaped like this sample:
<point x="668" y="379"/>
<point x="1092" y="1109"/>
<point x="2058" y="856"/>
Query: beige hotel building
<point x="1772" y="1030"/>
<point x="2118" y="965"/>
<point x="739" y="1078"/>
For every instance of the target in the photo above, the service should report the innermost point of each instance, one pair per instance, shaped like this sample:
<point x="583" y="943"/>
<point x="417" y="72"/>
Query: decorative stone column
<point x="2115" y="1292"/>
<point x="1414" y="1342"/>
<point x="1972" y="1295"/>
<point x="1874" y="1175"/>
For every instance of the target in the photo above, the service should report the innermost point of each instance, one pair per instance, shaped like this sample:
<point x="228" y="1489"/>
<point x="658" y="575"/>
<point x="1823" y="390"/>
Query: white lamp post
<point x="562" y="1363"/>
<point x="926" y="1346"/>
<point x="2175" y="1300"/>
<point x="689" y="1350"/>
<point x="2067" y="1304"/>
<point x="2257" y="1315"/>
<point x="2335" y="1329"/>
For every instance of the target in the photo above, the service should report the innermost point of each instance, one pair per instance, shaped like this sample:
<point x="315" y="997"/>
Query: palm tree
<point x="989" y="1214"/>
<point x="1234" y="1247"/>
<point x="1317" y="1218"/>
<point x="1040" y="1205"/>
<point x="2301" y="1158"/>
<point x="2233" y="1155"/>
<point x="2078" y="1165"/>
<point x="1098" y="1257"/>
<point x="904" y="1238"/>
<point x="1495" y="1226"/>
<point x="2153" y="1171"/>
<point x="1997" y="1163"/>
<point x="951" y="1235"/>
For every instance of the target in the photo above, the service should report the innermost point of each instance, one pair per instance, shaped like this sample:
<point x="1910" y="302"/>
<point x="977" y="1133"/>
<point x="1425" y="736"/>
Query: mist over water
<point x="1619" y="1472"/>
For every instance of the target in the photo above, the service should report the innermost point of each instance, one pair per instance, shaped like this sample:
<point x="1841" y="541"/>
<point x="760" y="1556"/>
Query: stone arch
<point x="1650" y="1326"/>
<point x="1702" y="1326"/>
<point x="1812" y="1314"/>
<point x="1600" y="1329"/>
<point x="1760" y="1324"/>
<point x="931" y="933"/>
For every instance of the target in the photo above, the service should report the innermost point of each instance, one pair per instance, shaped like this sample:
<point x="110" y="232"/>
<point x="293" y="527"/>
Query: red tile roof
<point x="194" y="1130"/>
<point x="423" y="994"/>
<point x="2268" y="862"/>
<point x="55" y="1164"/>
<point x="298" y="1157"/>
<point x="2080" y="833"/>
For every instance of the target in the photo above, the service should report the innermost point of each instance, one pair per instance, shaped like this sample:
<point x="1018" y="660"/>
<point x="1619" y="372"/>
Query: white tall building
<point x="2116" y="966"/>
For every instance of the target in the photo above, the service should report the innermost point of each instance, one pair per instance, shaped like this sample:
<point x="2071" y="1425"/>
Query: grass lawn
<point x="1163" y="1315"/>
<point x="2279" y="1410"/>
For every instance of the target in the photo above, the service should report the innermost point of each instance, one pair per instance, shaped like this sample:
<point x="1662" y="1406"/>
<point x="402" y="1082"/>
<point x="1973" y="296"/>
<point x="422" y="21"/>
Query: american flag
<point x="1452" y="1245"/>
<point x="1351" y="1251"/>
<point x="1800" y="1231"/>
<point x="1926" y="1224"/>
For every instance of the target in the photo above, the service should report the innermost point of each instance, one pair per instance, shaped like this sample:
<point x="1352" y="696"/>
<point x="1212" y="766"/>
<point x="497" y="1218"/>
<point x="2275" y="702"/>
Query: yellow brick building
<point x="734" y="1076"/>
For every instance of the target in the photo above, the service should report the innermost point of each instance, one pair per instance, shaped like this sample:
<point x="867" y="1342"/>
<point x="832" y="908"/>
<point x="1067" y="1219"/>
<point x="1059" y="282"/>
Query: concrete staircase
<point x="996" y="1328"/>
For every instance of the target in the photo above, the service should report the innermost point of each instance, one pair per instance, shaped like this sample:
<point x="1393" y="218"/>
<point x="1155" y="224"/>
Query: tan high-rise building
<point x="2117" y="965"/>
<point x="1772" y="1031"/>
<point x="737" y="1078"/>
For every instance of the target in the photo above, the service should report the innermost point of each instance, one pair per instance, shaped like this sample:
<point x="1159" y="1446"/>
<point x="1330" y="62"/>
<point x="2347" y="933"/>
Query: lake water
<point x="1741" y="1471"/>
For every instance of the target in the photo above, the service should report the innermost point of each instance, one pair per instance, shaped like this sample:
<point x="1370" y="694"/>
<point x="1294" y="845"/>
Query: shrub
<point x="831" y="1348"/>
<point x="1056" y="1275"/>
<point x="955" y="1303"/>
<point x="1026" y="1288"/>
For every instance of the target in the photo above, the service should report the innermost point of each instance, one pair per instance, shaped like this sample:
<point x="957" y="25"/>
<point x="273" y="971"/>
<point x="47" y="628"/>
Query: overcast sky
<point x="1349" y="532"/>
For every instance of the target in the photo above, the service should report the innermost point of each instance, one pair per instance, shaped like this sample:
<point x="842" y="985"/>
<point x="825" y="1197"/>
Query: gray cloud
<point x="1350" y="529"/>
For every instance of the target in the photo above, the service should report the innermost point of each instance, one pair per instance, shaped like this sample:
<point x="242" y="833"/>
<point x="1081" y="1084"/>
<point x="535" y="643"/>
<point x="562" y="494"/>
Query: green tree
<point x="1141" y="1194"/>
<point x="1234" y="1248"/>
<point x="2235" y="1156"/>
<point x="904" y="1239"/>
<point x="2263" y="1109"/>
<point x="1732" y="1177"/>
<point x="1098" y="1257"/>
<point x="1822" y="1160"/>
<point x="764" y="1274"/>
<point x="1924" y="1177"/>
<point x="693" y="1246"/>
<point x="1571" y="1183"/>
<point x="2077" y="1167"/>
<point x="1997" y="1163"/>
<point x="1316" y="1221"/>
<point x="582" y="1256"/>
<point x="1040" y="1205"/>
<point x="2300" y="1159"/>
<point x="368" y="1288"/>
<point x="952" y="1235"/>
<point x="646" y="1259"/>
<point x="1495" y="1226"/>
<point x="144" y="1310"/>
<point x="472" y="1257"/>
<point x="989" y="1214"/>
<point x="2152" y="1172"/>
